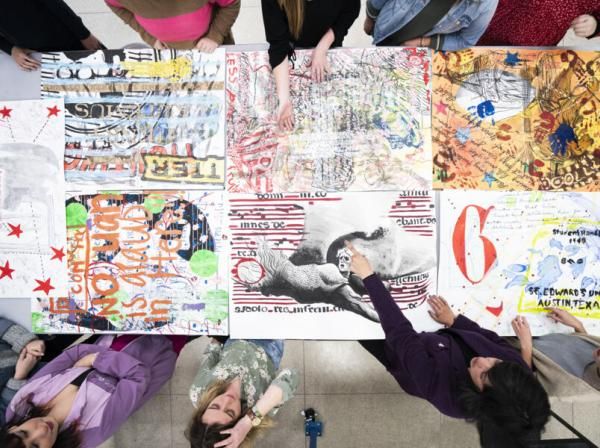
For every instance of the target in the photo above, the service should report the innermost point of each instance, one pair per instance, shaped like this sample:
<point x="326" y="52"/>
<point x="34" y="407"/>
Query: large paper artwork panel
<point x="507" y="253"/>
<point x="152" y="262"/>
<point x="32" y="219"/>
<point x="290" y="269"/>
<point x="365" y="127"/>
<point x="141" y="118"/>
<point x="516" y="119"/>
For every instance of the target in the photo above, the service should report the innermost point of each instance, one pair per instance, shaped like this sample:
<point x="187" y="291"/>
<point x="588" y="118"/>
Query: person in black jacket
<point x="289" y="24"/>
<point x="41" y="25"/>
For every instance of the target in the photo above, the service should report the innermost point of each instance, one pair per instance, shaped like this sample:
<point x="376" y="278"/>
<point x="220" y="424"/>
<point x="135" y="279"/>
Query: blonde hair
<point x="196" y="430"/>
<point x="294" y="10"/>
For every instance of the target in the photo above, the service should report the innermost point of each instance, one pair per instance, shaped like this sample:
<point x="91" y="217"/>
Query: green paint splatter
<point x="217" y="305"/>
<point x="121" y="297"/>
<point x="76" y="215"/>
<point x="154" y="203"/>
<point x="204" y="263"/>
<point x="36" y="322"/>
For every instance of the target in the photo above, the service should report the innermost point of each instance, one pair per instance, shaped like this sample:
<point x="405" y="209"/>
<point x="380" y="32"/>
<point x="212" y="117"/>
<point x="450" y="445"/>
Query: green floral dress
<point x="251" y="364"/>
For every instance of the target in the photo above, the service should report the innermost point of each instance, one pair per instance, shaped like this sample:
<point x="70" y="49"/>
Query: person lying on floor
<point x="83" y="396"/>
<point x="465" y="371"/>
<point x="236" y="392"/>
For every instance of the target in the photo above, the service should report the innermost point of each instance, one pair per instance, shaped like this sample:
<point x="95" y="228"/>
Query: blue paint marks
<point x="516" y="272"/>
<point x="560" y="139"/>
<point x="589" y="283"/>
<point x="482" y="111"/>
<point x="518" y="280"/>
<point x="517" y="267"/>
<point x="193" y="306"/>
<point x="486" y="109"/>
<point x="548" y="273"/>
<point x="463" y="135"/>
<point x="572" y="249"/>
<point x="489" y="178"/>
<point x="578" y="268"/>
<point x="410" y="139"/>
<point x="556" y="244"/>
<point x="512" y="59"/>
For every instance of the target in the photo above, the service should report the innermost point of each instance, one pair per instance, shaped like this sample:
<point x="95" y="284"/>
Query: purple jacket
<point x="431" y="365"/>
<point x="119" y="385"/>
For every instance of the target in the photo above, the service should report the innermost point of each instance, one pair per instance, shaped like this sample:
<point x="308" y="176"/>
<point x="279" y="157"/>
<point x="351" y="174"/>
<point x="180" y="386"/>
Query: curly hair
<point x="512" y="411"/>
<point x="68" y="437"/>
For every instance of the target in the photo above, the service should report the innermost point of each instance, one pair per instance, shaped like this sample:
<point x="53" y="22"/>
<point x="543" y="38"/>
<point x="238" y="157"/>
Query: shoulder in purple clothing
<point x="53" y="409"/>
<point x="464" y="370"/>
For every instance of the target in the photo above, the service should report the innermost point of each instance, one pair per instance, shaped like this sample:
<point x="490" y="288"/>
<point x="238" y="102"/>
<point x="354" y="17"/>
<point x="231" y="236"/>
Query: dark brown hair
<point x="68" y="437"/>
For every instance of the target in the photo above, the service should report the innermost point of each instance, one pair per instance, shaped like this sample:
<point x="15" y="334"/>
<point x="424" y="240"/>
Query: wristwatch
<point x="255" y="416"/>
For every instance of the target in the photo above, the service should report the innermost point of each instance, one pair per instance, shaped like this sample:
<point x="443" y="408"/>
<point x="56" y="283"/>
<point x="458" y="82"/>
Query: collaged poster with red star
<point x="32" y="218"/>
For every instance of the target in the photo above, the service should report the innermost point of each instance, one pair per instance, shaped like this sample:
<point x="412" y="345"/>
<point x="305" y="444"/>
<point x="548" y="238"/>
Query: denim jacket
<point x="461" y="27"/>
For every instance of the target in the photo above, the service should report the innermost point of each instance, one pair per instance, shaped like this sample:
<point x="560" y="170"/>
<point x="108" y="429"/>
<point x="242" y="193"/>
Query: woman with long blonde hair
<point x="290" y="24"/>
<point x="236" y="392"/>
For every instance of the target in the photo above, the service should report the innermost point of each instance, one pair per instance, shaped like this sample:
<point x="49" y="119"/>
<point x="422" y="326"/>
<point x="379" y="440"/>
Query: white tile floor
<point x="359" y="402"/>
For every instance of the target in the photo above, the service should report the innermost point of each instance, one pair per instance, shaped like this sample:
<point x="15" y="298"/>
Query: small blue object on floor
<point x="312" y="428"/>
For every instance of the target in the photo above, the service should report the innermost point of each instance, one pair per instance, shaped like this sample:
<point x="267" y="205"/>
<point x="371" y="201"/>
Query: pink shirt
<point x="190" y="26"/>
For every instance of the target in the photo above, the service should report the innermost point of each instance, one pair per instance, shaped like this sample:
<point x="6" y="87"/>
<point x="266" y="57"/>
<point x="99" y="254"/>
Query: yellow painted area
<point x="530" y="305"/>
<point x="167" y="168"/>
<point x="172" y="69"/>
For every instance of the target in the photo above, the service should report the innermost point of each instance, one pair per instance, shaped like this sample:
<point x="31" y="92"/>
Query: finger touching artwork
<point x="365" y="127"/>
<point x="502" y="254"/>
<point x="290" y="269"/>
<point x="140" y="118"/>
<point x="515" y="119"/>
<point x="32" y="221"/>
<point x="152" y="262"/>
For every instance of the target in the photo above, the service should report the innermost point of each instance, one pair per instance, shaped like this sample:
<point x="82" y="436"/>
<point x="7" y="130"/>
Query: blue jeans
<point x="273" y="348"/>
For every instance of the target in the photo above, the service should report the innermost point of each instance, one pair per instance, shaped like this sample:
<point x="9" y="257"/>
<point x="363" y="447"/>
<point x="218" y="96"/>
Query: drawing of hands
<point x="565" y="318"/>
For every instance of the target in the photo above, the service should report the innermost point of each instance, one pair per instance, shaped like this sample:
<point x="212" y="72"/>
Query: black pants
<point x="377" y="349"/>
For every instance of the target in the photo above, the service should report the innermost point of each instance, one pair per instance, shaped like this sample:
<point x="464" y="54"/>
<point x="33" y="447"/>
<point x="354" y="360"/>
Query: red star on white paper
<point x="54" y="110"/>
<point x="44" y="286"/>
<point x="15" y="230"/>
<point x="58" y="253"/>
<point x="6" y="271"/>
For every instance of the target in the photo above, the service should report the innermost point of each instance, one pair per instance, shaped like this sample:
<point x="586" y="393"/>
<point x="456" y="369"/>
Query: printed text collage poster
<point x="141" y="118"/>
